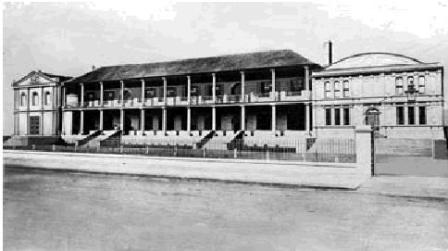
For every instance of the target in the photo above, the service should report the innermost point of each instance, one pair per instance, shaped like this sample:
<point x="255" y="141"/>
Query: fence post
<point x="53" y="147"/>
<point x="175" y="151"/>
<point x="267" y="153"/>
<point x="33" y="147"/>
<point x="121" y="148"/>
<point x="147" y="149"/>
<point x="235" y="153"/>
<point x="203" y="152"/>
<point x="98" y="148"/>
<point x="364" y="149"/>
<point x="76" y="146"/>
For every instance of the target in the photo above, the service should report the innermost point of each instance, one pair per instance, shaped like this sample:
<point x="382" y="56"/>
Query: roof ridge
<point x="205" y="57"/>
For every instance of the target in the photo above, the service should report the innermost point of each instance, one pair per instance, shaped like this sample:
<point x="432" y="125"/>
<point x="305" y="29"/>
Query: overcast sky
<point x="68" y="38"/>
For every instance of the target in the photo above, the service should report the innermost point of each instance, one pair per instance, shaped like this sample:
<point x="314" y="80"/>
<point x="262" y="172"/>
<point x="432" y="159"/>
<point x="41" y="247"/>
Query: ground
<point x="46" y="210"/>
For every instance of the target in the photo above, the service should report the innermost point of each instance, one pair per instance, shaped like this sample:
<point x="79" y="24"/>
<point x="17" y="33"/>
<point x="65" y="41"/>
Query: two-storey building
<point x="401" y="97"/>
<point x="263" y="91"/>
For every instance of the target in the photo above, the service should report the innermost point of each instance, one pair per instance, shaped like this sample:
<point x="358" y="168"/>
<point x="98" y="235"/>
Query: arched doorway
<point x="235" y="89"/>
<point x="372" y="118"/>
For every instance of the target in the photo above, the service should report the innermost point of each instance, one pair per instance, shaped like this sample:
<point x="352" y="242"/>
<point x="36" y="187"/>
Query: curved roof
<point x="373" y="59"/>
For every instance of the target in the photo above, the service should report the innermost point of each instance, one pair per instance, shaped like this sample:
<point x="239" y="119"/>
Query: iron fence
<point x="309" y="150"/>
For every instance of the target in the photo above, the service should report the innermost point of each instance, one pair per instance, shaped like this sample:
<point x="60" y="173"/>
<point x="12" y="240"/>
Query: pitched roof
<point x="264" y="59"/>
<point x="47" y="75"/>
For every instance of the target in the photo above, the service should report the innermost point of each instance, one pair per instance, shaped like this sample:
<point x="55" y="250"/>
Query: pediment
<point x="35" y="78"/>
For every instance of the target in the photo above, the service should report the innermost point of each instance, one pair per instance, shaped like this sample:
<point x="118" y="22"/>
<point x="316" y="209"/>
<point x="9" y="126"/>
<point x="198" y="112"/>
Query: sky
<point x="68" y="38"/>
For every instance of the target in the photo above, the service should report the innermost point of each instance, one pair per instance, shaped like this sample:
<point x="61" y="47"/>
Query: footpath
<point x="275" y="173"/>
<point x="298" y="174"/>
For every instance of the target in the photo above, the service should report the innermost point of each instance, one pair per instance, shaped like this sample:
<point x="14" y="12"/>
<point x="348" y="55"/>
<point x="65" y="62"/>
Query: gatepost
<point x="364" y="149"/>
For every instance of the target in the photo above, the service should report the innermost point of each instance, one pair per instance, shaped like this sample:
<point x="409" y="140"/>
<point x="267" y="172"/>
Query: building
<point x="37" y="104"/>
<point x="264" y="91"/>
<point x="269" y="98"/>
<point x="400" y="96"/>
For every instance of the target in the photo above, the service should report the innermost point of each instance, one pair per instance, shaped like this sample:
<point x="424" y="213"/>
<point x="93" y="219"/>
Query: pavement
<point x="311" y="175"/>
<point x="275" y="173"/>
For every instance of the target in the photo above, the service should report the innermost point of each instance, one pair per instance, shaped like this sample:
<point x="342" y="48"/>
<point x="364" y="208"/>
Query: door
<point x="34" y="125"/>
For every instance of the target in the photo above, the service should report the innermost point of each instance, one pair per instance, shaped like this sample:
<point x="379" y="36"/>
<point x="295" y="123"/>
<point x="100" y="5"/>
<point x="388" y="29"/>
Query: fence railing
<point x="310" y="150"/>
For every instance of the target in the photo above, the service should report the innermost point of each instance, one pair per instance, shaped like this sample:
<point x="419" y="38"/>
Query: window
<point x="328" y="116"/>
<point x="90" y="96"/>
<point x="171" y="91"/>
<point x="346" y="116"/>
<point x="47" y="98"/>
<point x="337" y="89"/>
<point x="411" y="84"/>
<point x="265" y="87"/>
<point x="399" y="86"/>
<point x="327" y="90"/>
<point x="411" y="115"/>
<point x="194" y="91"/>
<point x="422" y="115"/>
<point x="23" y="99"/>
<point x="110" y="95"/>
<point x="421" y="84"/>
<point x="400" y="115"/>
<point x="337" y="116"/>
<point x="346" y="90"/>
<point x="35" y="98"/>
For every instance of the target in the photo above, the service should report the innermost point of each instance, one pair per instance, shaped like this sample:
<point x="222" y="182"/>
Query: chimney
<point x="330" y="52"/>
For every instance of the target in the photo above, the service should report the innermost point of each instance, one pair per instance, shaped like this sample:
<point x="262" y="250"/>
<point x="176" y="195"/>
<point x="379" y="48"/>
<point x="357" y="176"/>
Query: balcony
<point x="302" y="95"/>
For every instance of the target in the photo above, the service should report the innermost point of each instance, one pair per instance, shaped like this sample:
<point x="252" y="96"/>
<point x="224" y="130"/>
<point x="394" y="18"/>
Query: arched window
<point x="372" y="117"/>
<point x="410" y="84"/>
<point x="23" y="99"/>
<point x="47" y="98"/>
<point x="35" y="98"/>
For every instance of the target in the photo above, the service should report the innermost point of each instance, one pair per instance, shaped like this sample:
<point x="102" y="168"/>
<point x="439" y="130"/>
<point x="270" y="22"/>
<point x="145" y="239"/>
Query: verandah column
<point x="214" y="87"/>
<point x="188" y="90"/>
<point x="273" y="119"/>
<point x="243" y="118"/>
<point x="101" y="94"/>
<point x="243" y="86"/>
<point x="165" y="87"/>
<point x="307" y="78"/>
<point x="189" y="120"/>
<point x="142" y="121"/>
<point x="307" y="117"/>
<point x="81" y="122"/>
<point x="214" y="118"/>
<point x="122" y="120"/>
<point x="101" y="119"/>
<point x="122" y="92"/>
<point x="82" y="94"/>
<point x="273" y="83"/>
<point x="164" y="120"/>
<point x="143" y="92"/>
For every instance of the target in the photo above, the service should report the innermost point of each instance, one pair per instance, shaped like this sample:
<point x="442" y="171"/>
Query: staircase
<point x="114" y="140"/>
<point x="96" y="141"/>
<point x="88" y="138"/>
<point x="237" y="141"/>
<point x="205" y="139"/>
<point x="220" y="141"/>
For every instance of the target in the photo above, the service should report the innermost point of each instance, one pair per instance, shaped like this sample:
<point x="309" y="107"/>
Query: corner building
<point x="399" y="96"/>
